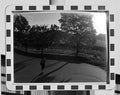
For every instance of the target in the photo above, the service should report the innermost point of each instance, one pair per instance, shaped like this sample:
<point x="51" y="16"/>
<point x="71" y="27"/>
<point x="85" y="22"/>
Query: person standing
<point x="42" y="64"/>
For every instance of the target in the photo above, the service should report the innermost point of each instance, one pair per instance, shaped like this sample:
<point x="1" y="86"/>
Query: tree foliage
<point x="76" y="31"/>
<point x="37" y="36"/>
<point x="21" y="30"/>
<point x="20" y="23"/>
<point x="80" y="26"/>
<point x="42" y="37"/>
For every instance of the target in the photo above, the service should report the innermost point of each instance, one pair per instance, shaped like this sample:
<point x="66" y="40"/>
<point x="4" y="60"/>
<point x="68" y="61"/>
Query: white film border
<point x="56" y="86"/>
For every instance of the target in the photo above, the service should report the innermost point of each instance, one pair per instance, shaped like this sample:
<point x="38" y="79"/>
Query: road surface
<point x="28" y="69"/>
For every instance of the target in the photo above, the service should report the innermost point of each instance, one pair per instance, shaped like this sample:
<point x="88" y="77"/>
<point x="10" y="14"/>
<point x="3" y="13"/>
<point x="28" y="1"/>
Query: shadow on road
<point x="20" y="65"/>
<point x="66" y="58"/>
<point x="41" y="78"/>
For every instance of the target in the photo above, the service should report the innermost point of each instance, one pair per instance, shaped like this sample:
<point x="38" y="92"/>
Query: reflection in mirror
<point x="60" y="47"/>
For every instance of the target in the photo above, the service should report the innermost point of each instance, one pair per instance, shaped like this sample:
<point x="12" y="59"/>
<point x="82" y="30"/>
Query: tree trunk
<point x="77" y="50"/>
<point x="42" y="52"/>
<point x="77" y="45"/>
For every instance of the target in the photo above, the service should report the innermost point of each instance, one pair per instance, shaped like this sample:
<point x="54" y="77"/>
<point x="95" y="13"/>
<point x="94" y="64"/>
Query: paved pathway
<point x="57" y="71"/>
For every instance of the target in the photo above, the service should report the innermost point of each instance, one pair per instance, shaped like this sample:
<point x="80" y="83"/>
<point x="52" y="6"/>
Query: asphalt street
<point x="28" y="69"/>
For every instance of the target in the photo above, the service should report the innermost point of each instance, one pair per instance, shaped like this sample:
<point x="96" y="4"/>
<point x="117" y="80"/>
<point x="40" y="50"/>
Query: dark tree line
<point x="75" y="31"/>
<point x="42" y="37"/>
<point x="21" y="29"/>
<point x="37" y="36"/>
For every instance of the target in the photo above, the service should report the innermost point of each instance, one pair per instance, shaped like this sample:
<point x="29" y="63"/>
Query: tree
<point x="101" y="37"/>
<point x="81" y="27"/>
<point x="21" y="30"/>
<point x="57" y="35"/>
<point x="42" y="37"/>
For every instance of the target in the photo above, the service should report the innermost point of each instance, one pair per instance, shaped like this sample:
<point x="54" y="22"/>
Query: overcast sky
<point x="39" y="18"/>
<point x="42" y="18"/>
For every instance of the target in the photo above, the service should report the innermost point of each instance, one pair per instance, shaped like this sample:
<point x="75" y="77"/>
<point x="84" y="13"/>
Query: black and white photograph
<point x="60" y="47"/>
